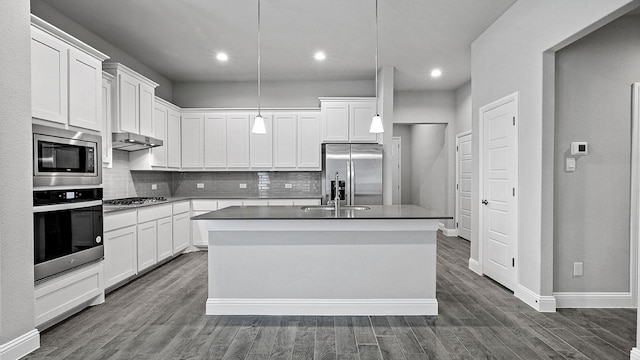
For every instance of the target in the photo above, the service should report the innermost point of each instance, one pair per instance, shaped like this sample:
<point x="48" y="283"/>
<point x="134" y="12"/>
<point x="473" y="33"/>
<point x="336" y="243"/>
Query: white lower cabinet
<point x="120" y="247"/>
<point x="181" y="227"/>
<point x="147" y="245"/>
<point x="165" y="238"/>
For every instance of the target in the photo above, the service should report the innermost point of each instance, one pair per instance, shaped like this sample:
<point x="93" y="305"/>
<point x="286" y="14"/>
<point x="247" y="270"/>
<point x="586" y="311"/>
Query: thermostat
<point x="579" y="148"/>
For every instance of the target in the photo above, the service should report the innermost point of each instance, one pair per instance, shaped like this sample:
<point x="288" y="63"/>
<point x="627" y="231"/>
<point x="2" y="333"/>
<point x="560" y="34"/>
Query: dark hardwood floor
<point x="161" y="316"/>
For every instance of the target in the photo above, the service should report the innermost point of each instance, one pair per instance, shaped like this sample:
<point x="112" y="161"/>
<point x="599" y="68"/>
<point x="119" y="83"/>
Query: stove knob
<point x="98" y="239"/>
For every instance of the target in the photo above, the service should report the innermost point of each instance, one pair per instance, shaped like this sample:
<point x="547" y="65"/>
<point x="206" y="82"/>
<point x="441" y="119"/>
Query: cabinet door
<point x="128" y="115"/>
<point x="120" y="255"/>
<point x="192" y="147"/>
<point x="360" y="115"/>
<point x="215" y="141"/>
<point x="85" y="84"/>
<point x="261" y="145"/>
<point x="160" y="117"/>
<point x="48" y="77"/>
<point x="238" y="141"/>
<point x="107" y="117"/>
<point x="284" y="138"/>
<point x="309" y="142"/>
<point x="199" y="232"/>
<point x="335" y="121"/>
<point x="181" y="232"/>
<point x="146" y="98"/>
<point x="173" y="143"/>
<point x="165" y="238"/>
<point x="147" y="245"/>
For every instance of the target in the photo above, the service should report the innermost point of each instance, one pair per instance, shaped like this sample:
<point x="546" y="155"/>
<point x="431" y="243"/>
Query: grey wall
<point x="591" y="205"/>
<point x="404" y="132"/>
<point x="274" y="94"/>
<point x="510" y="57"/>
<point x="420" y="107"/>
<point x="429" y="166"/>
<point x="16" y="216"/>
<point x="52" y="16"/>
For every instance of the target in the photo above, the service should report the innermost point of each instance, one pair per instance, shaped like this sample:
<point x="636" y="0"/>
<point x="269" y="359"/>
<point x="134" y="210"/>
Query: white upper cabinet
<point x="66" y="78"/>
<point x="166" y="125"/>
<point x="192" y="141"/>
<point x="308" y="139"/>
<point x="135" y="100"/>
<point x="174" y="142"/>
<point x="238" y="141"/>
<point x="347" y="119"/>
<point x="108" y="89"/>
<point x="215" y="141"/>
<point x="261" y="145"/>
<point x="285" y="138"/>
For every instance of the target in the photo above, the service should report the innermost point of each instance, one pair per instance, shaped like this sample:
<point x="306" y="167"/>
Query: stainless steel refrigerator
<point x="359" y="168"/>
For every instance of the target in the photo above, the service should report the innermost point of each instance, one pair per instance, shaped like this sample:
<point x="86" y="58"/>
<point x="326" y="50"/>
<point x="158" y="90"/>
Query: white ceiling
<point x="179" y="38"/>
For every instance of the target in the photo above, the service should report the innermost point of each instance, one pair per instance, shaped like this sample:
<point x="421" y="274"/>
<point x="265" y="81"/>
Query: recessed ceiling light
<point x="320" y="56"/>
<point x="222" y="56"/>
<point x="436" y="73"/>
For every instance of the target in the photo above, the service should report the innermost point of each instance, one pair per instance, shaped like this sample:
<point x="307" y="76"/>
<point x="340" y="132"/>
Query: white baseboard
<point x="474" y="265"/>
<point x="635" y="354"/>
<point x="20" y="346"/>
<point x="536" y="301"/>
<point x="594" y="300"/>
<point x="446" y="231"/>
<point x="333" y="307"/>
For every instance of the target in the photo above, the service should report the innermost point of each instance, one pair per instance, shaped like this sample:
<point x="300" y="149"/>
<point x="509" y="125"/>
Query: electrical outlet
<point x="243" y="186"/>
<point x="200" y="185"/>
<point x="577" y="269"/>
<point x="154" y="186"/>
<point x="288" y="186"/>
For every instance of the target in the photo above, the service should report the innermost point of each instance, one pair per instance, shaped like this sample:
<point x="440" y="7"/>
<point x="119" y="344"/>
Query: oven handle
<point x="78" y="205"/>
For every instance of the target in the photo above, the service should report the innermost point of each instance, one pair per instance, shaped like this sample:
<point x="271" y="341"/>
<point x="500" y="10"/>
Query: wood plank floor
<point x="161" y="316"/>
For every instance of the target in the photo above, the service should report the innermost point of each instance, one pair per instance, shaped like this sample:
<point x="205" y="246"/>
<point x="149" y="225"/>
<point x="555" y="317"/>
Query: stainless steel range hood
<point x="133" y="142"/>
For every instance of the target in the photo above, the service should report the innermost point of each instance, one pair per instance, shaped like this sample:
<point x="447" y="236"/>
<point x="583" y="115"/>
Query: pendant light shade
<point x="258" y="123"/>
<point x="376" y="121"/>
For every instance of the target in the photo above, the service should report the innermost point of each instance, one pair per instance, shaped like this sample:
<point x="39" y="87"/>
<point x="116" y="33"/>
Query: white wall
<point x="52" y="16"/>
<point x="463" y="109"/>
<point x="16" y="216"/>
<point x="507" y="58"/>
<point x="240" y="94"/>
<point x="424" y="107"/>
<point x="593" y="102"/>
<point x="429" y="165"/>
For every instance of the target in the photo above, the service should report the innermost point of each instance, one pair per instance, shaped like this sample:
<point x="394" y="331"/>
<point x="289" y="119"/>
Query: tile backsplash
<point x="120" y="182"/>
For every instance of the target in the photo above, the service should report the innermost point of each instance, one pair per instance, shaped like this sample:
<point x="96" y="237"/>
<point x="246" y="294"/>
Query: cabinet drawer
<point x="119" y="220"/>
<point x="154" y="212"/>
<point x="181" y="207"/>
<point x="204" y="205"/>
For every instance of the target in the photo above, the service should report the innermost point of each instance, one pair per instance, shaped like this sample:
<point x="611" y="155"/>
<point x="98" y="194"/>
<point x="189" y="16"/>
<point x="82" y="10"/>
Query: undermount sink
<point x="330" y="208"/>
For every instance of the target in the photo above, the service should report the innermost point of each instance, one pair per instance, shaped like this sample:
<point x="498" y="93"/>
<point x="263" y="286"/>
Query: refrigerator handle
<point x="352" y="195"/>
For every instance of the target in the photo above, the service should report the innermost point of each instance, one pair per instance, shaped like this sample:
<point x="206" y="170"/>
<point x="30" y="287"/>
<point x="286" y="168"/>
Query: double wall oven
<point x="67" y="200"/>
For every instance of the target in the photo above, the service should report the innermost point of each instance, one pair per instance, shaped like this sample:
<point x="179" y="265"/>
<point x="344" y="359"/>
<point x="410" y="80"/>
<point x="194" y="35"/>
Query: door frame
<point x="457" y="168"/>
<point x="398" y="168"/>
<point x="635" y="198"/>
<point x="481" y="142"/>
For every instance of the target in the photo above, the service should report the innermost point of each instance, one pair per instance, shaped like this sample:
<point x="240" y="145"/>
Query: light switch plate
<point x="578" y="269"/>
<point x="571" y="164"/>
<point x="200" y="185"/>
<point x="288" y="186"/>
<point x="154" y="186"/>
<point x="243" y="186"/>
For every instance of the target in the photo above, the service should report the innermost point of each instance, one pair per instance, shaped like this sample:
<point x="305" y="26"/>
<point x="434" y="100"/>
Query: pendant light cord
<point x="259" y="95"/>
<point x="377" y="106"/>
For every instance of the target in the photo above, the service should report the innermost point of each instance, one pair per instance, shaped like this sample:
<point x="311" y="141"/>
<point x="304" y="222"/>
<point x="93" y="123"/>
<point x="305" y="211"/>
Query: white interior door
<point x="396" y="159"/>
<point x="463" y="185"/>
<point x="498" y="190"/>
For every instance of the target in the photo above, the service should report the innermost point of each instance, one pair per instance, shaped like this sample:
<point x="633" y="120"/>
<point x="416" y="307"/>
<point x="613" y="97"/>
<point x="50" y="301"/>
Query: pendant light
<point x="258" y="123"/>
<point x="376" y="122"/>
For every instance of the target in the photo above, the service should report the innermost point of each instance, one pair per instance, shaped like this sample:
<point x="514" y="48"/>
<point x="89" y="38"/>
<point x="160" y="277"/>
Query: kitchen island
<point x="284" y="260"/>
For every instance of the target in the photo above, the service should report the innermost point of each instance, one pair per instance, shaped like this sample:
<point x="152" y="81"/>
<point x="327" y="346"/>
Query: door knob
<point x="485" y="202"/>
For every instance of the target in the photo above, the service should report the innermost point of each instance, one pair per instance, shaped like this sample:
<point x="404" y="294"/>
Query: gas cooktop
<point x="134" y="201"/>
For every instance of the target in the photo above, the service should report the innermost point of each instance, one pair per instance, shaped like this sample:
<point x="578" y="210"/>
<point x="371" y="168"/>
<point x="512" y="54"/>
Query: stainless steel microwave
<point x="65" y="158"/>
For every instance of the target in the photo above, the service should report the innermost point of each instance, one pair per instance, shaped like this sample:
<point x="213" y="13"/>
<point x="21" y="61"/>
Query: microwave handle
<point x="78" y="205"/>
